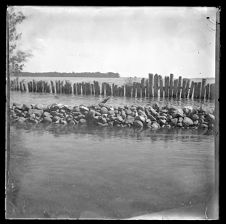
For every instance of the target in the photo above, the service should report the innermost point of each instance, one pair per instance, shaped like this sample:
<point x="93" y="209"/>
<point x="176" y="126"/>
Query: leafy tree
<point x="16" y="57"/>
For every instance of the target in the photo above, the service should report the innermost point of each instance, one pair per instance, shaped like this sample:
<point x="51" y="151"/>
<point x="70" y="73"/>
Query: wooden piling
<point x="183" y="88"/>
<point x="171" y="86"/>
<point x="191" y="89"/>
<point x="156" y="85"/>
<point x="179" y="87"/>
<point x="199" y="90"/>
<point x="203" y="88"/>
<point x="142" y="87"/>
<point x="212" y="91"/>
<point x="207" y="91"/>
<point x="175" y="84"/>
<point x="161" y="85"/>
<point x="187" y="88"/>
<point x="150" y="85"/>
<point x="166" y="88"/>
<point x="147" y="87"/>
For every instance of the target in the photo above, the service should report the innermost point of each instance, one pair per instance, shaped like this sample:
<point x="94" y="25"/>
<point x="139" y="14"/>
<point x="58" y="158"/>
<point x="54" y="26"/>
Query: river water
<point x="60" y="171"/>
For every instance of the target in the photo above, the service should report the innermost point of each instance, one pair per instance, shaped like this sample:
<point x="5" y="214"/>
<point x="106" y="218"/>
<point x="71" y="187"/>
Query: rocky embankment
<point x="153" y="117"/>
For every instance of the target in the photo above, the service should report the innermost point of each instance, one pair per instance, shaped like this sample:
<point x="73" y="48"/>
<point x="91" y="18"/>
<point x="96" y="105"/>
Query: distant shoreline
<point x="64" y="74"/>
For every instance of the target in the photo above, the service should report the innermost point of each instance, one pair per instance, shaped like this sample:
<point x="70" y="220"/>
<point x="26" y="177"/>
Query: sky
<point x="131" y="41"/>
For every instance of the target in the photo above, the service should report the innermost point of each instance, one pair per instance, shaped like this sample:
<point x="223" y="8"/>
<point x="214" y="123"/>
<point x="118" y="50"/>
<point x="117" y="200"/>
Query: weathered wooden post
<point x="143" y="87"/>
<point x="171" y="86"/>
<point x="183" y="88"/>
<point x="207" y="91"/>
<point x="156" y="85"/>
<point x="199" y="90"/>
<point x="179" y="87"/>
<point x="203" y="88"/>
<point x="150" y="85"/>
<point x="134" y="90"/>
<point x="161" y="85"/>
<point x="191" y="90"/>
<point x="212" y="91"/>
<point x="175" y="84"/>
<point x="187" y="88"/>
<point x="147" y="88"/>
<point x="166" y="89"/>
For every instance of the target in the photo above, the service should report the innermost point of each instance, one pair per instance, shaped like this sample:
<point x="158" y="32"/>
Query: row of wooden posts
<point x="151" y="87"/>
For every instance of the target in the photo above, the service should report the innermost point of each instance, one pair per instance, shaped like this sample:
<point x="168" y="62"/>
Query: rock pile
<point x="152" y="117"/>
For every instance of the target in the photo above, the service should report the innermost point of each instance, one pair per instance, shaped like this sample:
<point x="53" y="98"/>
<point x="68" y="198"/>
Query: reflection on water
<point x="46" y="99"/>
<point x="63" y="171"/>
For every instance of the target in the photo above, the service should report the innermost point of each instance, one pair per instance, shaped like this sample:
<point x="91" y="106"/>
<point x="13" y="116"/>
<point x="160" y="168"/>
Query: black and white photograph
<point x="112" y="113"/>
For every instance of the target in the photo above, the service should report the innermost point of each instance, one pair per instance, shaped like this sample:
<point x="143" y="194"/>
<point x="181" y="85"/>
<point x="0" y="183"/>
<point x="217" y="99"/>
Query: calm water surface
<point x="62" y="171"/>
<point x="108" y="172"/>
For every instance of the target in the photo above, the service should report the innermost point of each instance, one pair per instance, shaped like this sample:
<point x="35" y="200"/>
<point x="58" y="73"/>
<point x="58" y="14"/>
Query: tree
<point x="16" y="57"/>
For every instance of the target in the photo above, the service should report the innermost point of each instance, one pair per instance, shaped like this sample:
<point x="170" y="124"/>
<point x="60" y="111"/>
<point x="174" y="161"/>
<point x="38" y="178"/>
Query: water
<point x="61" y="171"/>
<point x="116" y="81"/>
<point x="46" y="99"/>
<point x="108" y="173"/>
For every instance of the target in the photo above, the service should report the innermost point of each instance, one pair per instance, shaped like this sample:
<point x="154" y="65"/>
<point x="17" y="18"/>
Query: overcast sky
<point x="130" y="41"/>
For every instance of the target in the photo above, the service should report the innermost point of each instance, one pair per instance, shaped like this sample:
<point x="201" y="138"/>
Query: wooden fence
<point x="154" y="86"/>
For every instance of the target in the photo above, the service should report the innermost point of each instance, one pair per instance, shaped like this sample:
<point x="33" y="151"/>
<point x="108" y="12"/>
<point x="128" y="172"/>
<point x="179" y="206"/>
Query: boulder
<point x="140" y="118"/>
<point x="179" y="124"/>
<point x="33" y="121"/>
<point x="102" y="124"/>
<point x="97" y="113"/>
<point x="128" y="111"/>
<point x="82" y="121"/>
<point x="81" y="116"/>
<point x="137" y="124"/>
<point x="153" y="111"/>
<point x="19" y="106"/>
<point x="76" y="109"/>
<point x="103" y="120"/>
<point x="26" y="107"/>
<point x="203" y="126"/>
<point x="76" y="113"/>
<point x="194" y="117"/>
<point x="123" y="114"/>
<point x="148" y="124"/>
<point x="62" y="121"/>
<point x="47" y="120"/>
<point x="174" y="121"/>
<point x="164" y="111"/>
<point x="21" y="120"/>
<point x="155" y="106"/>
<point x="155" y="125"/>
<point x="47" y="114"/>
<point x="55" y="118"/>
<point x="162" y="121"/>
<point x="161" y="117"/>
<point x="210" y="118"/>
<point x="129" y="119"/>
<point x="180" y="119"/>
<point x="71" y="122"/>
<point x="37" y="112"/>
<point x="187" y="121"/>
<point x="38" y="106"/>
<point x="196" y="122"/>
<point x="104" y="110"/>
<point x="178" y="113"/>
<point x="111" y="112"/>
<point x="83" y="108"/>
<point x="119" y="118"/>
<point x="187" y="109"/>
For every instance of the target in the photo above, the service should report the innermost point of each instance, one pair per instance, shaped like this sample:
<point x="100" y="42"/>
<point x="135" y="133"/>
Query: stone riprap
<point x="149" y="116"/>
